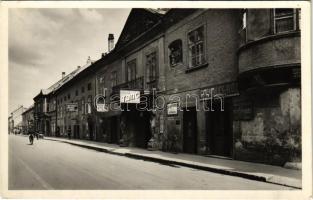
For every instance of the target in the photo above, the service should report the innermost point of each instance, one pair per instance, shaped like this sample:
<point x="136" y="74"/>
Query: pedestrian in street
<point x="31" y="138"/>
<point x="69" y="132"/>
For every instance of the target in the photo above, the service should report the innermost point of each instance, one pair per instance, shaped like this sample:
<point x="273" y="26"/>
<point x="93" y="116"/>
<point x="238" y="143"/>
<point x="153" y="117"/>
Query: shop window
<point x="284" y="20"/>
<point x="196" y="47"/>
<point x="131" y="70"/>
<point x="176" y="52"/>
<point x="151" y="67"/>
<point x="88" y="105"/>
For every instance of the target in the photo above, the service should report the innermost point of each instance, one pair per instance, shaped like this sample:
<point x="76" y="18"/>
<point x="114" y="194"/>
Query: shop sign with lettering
<point x="224" y="90"/>
<point x="172" y="109"/>
<point x="72" y="107"/>
<point x="102" y="108"/>
<point x="129" y="96"/>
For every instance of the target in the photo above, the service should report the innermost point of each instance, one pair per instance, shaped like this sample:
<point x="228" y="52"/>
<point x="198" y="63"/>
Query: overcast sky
<point x="44" y="42"/>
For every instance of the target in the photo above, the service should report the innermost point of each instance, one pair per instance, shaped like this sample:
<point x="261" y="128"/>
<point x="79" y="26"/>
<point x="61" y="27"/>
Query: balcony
<point x="136" y="84"/>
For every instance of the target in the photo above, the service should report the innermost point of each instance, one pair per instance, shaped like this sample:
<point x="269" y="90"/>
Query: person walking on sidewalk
<point x="69" y="132"/>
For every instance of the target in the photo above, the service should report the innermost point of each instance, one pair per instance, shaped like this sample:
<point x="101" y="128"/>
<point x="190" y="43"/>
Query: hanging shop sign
<point x="223" y="90"/>
<point x="129" y="96"/>
<point x="72" y="107"/>
<point x="172" y="109"/>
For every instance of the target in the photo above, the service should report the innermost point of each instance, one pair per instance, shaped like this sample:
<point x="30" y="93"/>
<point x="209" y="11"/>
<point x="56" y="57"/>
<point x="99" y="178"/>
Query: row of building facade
<point x="222" y="82"/>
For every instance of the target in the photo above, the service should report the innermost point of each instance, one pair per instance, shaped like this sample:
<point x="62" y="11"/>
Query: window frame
<point x="189" y="58"/>
<point x="293" y="16"/>
<point x="113" y="78"/>
<point x="83" y="105"/>
<point x="89" y="86"/>
<point x="148" y="67"/>
<point x="179" y="41"/>
<point x="127" y="68"/>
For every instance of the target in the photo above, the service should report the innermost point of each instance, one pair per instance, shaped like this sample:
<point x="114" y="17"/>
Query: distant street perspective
<point x="48" y="165"/>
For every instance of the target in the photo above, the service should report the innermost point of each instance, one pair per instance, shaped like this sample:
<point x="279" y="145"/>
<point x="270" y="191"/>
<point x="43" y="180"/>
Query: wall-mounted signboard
<point x="102" y="108"/>
<point x="222" y="90"/>
<point x="129" y="96"/>
<point x="72" y="107"/>
<point x="172" y="109"/>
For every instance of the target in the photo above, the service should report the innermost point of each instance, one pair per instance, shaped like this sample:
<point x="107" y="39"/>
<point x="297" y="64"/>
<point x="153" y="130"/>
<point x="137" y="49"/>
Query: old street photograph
<point x="154" y="99"/>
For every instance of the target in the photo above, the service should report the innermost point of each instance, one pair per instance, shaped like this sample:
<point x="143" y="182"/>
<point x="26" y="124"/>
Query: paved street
<point x="55" y="165"/>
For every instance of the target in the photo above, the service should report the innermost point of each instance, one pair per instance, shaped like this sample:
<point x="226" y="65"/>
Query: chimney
<point x="110" y="42"/>
<point x="63" y="74"/>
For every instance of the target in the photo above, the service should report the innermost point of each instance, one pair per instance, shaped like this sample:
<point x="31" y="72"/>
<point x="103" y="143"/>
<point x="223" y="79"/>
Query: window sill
<point x="196" y="68"/>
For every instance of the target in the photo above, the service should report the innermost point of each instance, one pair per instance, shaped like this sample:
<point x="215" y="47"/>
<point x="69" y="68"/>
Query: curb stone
<point x="278" y="180"/>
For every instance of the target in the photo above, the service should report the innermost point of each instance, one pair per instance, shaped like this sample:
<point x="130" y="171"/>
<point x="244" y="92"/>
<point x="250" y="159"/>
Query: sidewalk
<point x="255" y="171"/>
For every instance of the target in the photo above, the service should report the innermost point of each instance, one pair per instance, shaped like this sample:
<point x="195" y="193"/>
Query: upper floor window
<point x="100" y="84"/>
<point x="113" y="78"/>
<point x="299" y="18"/>
<point x="131" y="70"/>
<point x="176" y="53"/>
<point x="89" y="86"/>
<point x="196" y="47"/>
<point x="285" y="20"/>
<point x="83" y="89"/>
<point x="68" y="96"/>
<point x="151" y="66"/>
<point x="83" y="105"/>
<point x="244" y="19"/>
<point x="76" y="92"/>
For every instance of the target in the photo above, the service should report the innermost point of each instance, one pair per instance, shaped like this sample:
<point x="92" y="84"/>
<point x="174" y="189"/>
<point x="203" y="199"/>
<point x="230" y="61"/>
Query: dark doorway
<point x="141" y="122"/>
<point x="114" y="132"/>
<point x="219" y="129"/>
<point x="76" y="131"/>
<point x="138" y="126"/>
<point x="190" y="130"/>
<point x="90" y="129"/>
<point x="48" y="128"/>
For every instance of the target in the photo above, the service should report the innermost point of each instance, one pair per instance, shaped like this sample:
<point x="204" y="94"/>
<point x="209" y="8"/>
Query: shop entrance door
<point x="76" y="131"/>
<point x="219" y="129"/>
<point x="190" y="131"/>
<point x="113" y="125"/>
